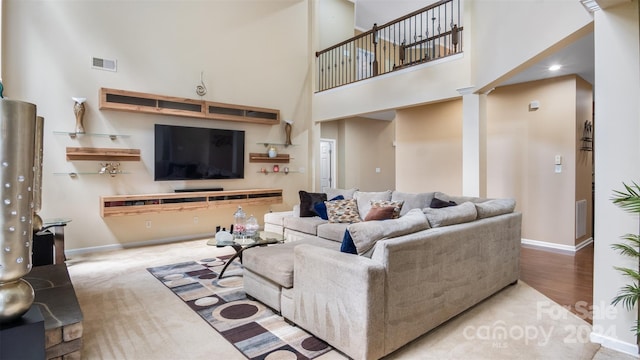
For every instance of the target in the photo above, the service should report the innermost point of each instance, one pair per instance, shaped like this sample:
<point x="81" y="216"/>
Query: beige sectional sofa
<point x="410" y="275"/>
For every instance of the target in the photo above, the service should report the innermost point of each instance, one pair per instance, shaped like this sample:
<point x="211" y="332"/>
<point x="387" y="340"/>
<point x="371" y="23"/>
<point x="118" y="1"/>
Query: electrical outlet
<point x="147" y="224"/>
<point x="195" y="219"/>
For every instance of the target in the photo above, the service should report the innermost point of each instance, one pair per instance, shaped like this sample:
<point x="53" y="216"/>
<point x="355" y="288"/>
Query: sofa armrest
<point x="340" y="298"/>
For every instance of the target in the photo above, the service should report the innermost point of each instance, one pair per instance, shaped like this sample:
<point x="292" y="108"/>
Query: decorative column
<point x="474" y="143"/>
<point x="17" y="157"/>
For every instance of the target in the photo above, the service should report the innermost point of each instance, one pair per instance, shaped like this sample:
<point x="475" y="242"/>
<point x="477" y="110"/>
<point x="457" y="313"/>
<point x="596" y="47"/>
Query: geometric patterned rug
<point x="254" y="329"/>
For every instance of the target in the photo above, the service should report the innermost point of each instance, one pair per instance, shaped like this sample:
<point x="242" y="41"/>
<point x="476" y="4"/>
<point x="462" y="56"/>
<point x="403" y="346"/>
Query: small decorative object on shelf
<point x="272" y="152"/>
<point x="110" y="168"/>
<point x="286" y="169"/>
<point x="201" y="89"/>
<point x="276" y="168"/>
<point x="264" y="171"/>
<point x="287" y="132"/>
<point x="78" y="110"/>
<point x="239" y="223"/>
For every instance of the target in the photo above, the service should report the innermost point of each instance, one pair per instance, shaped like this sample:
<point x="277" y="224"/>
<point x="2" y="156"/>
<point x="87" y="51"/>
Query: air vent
<point x="104" y="64"/>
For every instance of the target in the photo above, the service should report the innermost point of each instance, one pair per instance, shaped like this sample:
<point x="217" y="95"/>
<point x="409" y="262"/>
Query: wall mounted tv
<point x="192" y="153"/>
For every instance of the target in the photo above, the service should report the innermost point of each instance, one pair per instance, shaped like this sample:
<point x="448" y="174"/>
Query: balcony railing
<point x="424" y="35"/>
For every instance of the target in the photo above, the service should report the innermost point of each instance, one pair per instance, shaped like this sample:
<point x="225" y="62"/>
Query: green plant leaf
<point x="628" y="296"/>
<point x="628" y="200"/>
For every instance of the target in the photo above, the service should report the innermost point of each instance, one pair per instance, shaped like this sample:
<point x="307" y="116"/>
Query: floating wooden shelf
<point x="102" y="154"/>
<point x="121" y="205"/>
<point x="264" y="158"/>
<point x="124" y="100"/>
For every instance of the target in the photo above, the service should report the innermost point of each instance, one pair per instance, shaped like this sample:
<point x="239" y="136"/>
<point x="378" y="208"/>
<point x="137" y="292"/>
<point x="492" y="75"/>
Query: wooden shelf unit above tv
<point x="132" y="101"/>
<point x="123" y="205"/>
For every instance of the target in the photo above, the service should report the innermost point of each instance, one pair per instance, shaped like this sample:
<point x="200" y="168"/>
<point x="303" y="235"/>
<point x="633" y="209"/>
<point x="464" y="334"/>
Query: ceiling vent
<point x="104" y="64"/>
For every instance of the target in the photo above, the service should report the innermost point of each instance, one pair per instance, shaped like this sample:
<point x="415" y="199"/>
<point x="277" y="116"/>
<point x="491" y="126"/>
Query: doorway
<point x="327" y="164"/>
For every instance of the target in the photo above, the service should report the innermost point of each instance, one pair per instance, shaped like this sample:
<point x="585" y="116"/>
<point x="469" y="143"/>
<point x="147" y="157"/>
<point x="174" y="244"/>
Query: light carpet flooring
<point x="128" y="314"/>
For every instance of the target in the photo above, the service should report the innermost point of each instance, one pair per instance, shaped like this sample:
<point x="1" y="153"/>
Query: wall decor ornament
<point x="18" y="155"/>
<point x="287" y="132"/>
<point x="78" y="110"/>
<point x="276" y="168"/>
<point x="272" y="152"/>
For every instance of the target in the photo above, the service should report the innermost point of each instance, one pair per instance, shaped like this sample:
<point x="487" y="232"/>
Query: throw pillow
<point x="381" y="213"/>
<point x="439" y="204"/>
<point x="347" y="244"/>
<point x="343" y="211"/>
<point x="366" y="234"/>
<point x="495" y="207"/>
<point x="321" y="207"/>
<point x="451" y="215"/>
<point x="364" y="200"/>
<point x="307" y="200"/>
<point x="397" y="206"/>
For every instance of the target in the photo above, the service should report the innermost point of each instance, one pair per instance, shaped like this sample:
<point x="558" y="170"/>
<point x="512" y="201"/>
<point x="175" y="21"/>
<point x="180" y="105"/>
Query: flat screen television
<point x="192" y="153"/>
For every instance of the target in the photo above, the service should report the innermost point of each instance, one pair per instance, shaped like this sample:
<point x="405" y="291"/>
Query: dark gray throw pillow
<point x="307" y="201"/>
<point x="439" y="204"/>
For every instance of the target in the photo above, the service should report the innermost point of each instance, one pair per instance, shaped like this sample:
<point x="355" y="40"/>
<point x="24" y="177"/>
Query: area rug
<point x="254" y="329"/>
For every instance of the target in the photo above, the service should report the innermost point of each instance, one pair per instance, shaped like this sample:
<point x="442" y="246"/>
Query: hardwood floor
<point x="565" y="278"/>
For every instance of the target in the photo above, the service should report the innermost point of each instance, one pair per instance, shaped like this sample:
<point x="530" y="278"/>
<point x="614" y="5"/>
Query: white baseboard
<point x="557" y="247"/>
<point x="112" y="247"/>
<point x="614" y="344"/>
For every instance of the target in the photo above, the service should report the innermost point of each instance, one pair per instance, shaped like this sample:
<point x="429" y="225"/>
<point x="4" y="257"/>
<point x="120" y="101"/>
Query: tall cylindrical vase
<point x="17" y="157"/>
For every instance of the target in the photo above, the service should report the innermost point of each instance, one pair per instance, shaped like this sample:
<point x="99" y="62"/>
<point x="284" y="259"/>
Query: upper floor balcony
<point x="427" y="34"/>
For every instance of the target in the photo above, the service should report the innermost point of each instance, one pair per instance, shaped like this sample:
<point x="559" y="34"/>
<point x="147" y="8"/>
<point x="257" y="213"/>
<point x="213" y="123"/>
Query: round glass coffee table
<point x="262" y="238"/>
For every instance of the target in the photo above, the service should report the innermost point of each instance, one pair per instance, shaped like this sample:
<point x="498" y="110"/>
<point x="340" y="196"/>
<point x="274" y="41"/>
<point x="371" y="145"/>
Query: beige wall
<point x="512" y="31"/>
<point x="584" y="159"/>
<point x="244" y="48"/>
<point x="335" y="20"/>
<point x="362" y="146"/>
<point x="521" y="149"/>
<point x="429" y="148"/>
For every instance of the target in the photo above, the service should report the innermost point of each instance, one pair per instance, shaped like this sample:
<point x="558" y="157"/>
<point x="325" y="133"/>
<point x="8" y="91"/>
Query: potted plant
<point x="629" y="200"/>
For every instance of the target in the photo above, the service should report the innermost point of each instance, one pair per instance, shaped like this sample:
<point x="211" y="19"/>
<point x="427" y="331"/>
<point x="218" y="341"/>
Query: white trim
<point x="557" y="247"/>
<point x="112" y="247"/>
<point x="614" y="344"/>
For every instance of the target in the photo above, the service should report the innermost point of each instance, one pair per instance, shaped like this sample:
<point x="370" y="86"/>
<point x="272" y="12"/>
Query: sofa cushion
<point x="458" y="199"/>
<point x="321" y="207"/>
<point x="364" y="200"/>
<point x="306" y="225"/>
<point x="396" y="207"/>
<point x="495" y="207"/>
<point x="366" y="234"/>
<point x="332" y="231"/>
<point x="347" y="193"/>
<point x="412" y="201"/>
<point x="307" y="201"/>
<point x="277" y="218"/>
<point x="275" y="262"/>
<point x="343" y="211"/>
<point x="451" y="215"/>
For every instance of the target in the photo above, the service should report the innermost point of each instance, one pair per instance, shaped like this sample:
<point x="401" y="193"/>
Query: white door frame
<point x="332" y="159"/>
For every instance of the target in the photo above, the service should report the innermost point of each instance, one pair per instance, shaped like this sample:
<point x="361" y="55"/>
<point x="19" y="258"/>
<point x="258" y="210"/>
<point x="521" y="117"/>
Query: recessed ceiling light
<point x="554" y="67"/>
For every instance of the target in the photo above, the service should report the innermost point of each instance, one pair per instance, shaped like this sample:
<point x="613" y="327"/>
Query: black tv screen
<point x="191" y="153"/>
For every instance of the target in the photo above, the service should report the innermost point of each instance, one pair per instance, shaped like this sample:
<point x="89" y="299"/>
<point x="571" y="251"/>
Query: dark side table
<point x="262" y="238"/>
<point x="57" y="226"/>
